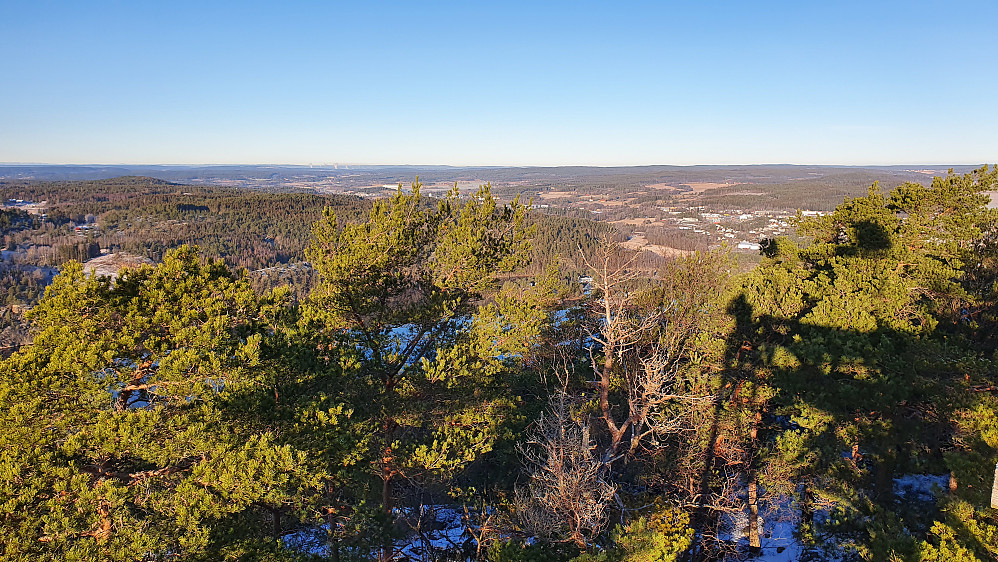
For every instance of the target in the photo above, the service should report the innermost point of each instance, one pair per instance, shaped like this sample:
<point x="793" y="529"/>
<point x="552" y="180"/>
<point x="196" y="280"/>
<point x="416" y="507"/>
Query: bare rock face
<point x="109" y="265"/>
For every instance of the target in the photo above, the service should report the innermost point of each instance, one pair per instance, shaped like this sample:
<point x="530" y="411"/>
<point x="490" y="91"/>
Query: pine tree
<point x="122" y="441"/>
<point x="409" y="307"/>
<point x="861" y="338"/>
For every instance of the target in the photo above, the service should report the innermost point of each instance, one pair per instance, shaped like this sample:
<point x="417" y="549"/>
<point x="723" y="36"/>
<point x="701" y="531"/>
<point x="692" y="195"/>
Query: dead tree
<point x="568" y="494"/>
<point x="646" y="336"/>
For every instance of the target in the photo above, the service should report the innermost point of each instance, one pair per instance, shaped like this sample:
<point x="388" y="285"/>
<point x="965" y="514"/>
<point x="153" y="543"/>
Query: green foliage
<point x="516" y="551"/>
<point x="410" y="303"/>
<point x="556" y="237"/>
<point x="944" y="546"/>
<point x="14" y="219"/>
<point x="888" y="539"/>
<point x="860" y="338"/>
<point x="121" y="442"/>
<point x="144" y="216"/>
<point x="179" y="411"/>
<point x="969" y="526"/>
<point x="663" y="536"/>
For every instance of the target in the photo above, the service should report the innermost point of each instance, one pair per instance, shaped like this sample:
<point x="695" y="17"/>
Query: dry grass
<point x="639" y="243"/>
<point x="640" y="221"/>
<point x="557" y="194"/>
<point x="700" y="187"/>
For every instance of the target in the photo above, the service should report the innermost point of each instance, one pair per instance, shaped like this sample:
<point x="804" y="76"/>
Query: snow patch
<point x="444" y="531"/>
<point x="778" y="540"/>
<point x="920" y="487"/>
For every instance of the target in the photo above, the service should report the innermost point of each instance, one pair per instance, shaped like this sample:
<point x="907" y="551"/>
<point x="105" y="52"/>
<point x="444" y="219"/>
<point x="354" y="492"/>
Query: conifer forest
<point x="291" y="376"/>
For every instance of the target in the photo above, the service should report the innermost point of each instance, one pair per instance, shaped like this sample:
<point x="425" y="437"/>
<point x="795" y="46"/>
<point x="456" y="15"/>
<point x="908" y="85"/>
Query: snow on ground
<point x="446" y="532"/>
<point x="779" y="544"/>
<point x="920" y="487"/>
<point x="443" y="530"/>
<point x="442" y="527"/>
<point x="309" y="540"/>
<point x="778" y="541"/>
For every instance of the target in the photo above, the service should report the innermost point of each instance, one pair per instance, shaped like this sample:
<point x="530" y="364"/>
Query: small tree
<point x="568" y="494"/>
<point x="648" y="336"/>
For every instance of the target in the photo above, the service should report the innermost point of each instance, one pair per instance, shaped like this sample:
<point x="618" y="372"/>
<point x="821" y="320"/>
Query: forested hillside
<point x="265" y="232"/>
<point x="147" y="217"/>
<point x="442" y="389"/>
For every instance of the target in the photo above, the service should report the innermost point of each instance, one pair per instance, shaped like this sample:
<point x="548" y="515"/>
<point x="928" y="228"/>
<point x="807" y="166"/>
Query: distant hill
<point x="352" y="177"/>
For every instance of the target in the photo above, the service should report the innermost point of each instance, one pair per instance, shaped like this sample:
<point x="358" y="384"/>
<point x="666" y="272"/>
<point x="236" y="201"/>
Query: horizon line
<point x="342" y="164"/>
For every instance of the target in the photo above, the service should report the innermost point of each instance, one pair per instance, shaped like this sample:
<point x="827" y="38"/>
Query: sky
<point x="499" y="83"/>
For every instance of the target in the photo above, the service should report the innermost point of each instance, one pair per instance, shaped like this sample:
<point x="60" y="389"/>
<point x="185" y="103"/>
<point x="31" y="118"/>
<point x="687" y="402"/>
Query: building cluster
<point x="31" y="207"/>
<point x="743" y="229"/>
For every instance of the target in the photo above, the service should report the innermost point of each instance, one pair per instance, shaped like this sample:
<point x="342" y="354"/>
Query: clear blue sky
<point x="499" y="83"/>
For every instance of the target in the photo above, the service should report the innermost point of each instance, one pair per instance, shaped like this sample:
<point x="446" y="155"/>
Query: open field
<point x="700" y="187"/>
<point x="641" y="244"/>
<point x="696" y="206"/>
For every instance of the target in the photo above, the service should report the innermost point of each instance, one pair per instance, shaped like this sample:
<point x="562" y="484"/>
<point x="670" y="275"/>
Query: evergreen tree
<point x="408" y="308"/>
<point x="860" y="339"/>
<point x="122" y="443"/>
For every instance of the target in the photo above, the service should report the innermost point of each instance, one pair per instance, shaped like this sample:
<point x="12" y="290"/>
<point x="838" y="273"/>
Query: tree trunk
<point x="994" y="490"/>
<point x="884" y="483"/>
<point x="700" y="518"/>
<point x="386" y="506"/>
<point x="616" y="433"/>
<point x="276" y="515"/>
<point x="806" y="508"/>
<point x="103" y="532"/>
<point x="755" y="543"/>
<point x="386" y="493"/>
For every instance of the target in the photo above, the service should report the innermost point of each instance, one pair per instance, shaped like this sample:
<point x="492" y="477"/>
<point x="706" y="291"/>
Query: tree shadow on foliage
<point x="846" y="410"/>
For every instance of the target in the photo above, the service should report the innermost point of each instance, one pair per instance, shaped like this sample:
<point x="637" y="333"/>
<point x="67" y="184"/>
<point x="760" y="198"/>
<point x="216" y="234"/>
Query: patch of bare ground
<point x="639" y="243"/>
<point x="700" y="187"/>
<point x="557" y="194"/>
<point x="463" y="186"/>
<point x="109" y="265"/>
<point x="640" y="221"/>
